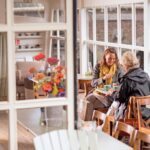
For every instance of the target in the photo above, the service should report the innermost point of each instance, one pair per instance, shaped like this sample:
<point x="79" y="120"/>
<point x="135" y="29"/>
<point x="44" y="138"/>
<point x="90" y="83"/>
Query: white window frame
<point x="105" y="4"/>
<point x="12" y="105"/>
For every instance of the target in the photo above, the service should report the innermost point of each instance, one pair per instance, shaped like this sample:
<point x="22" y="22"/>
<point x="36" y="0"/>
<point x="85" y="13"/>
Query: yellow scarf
<point x="106" y="70"/>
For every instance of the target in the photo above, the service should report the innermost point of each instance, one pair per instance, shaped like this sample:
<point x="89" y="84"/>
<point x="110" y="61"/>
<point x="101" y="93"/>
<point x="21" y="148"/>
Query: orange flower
<point x="59" y="75"/>
<point x="47" y="87"/>
<point x="57" y="80"/>
<point x="39" y="76"/>
<point x="32" y="70"/>
<point x="61" y="90"/>
<point x="59" y="68"/>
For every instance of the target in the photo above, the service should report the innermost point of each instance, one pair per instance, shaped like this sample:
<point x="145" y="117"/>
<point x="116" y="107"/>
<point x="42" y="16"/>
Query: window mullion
<point x="106" y="24"/>
<point x="94" y="36"/>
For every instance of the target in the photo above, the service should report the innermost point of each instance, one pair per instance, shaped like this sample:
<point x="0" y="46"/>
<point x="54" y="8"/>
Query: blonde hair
<point x="130" y="60"/>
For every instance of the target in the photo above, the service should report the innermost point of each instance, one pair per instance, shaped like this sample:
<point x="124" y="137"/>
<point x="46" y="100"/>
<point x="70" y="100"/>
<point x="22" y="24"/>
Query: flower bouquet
<point x="52" y="81"/>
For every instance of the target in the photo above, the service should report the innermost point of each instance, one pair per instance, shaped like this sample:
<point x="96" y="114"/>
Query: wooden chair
<point x="122" y="128"/>
<point x="142" y="136"/>
<point x="67" y="140"/>
<point x="99" y="117"/>
<point x="84" y="86"/>
<point x="144" y="100"/>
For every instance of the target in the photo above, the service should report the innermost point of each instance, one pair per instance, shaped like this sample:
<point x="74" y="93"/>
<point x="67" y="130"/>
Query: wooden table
<point x="84" y="82"/>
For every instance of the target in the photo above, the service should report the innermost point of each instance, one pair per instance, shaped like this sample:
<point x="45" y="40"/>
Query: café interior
<point x="48" y="51"/>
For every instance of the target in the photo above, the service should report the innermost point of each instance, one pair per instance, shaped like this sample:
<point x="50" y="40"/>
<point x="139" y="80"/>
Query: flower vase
<point x="54" y="115"/>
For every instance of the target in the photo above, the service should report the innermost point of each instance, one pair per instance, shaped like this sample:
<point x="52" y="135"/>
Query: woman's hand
<point x="107" y="76"/>
<point x="110" y="92"/>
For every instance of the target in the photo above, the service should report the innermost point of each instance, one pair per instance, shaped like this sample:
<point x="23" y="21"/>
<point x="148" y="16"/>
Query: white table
<point x="78" y="140"/>
<point x="107" y="142"/>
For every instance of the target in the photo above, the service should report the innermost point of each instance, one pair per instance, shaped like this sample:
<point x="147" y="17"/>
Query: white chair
<point x="67" y="140"/>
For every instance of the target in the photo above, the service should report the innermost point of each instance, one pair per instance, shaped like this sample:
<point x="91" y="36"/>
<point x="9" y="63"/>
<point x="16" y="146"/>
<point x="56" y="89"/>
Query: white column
<point x="11" y="77"/>
<point x="83" y="46"/>
<point x="70" y="64"/>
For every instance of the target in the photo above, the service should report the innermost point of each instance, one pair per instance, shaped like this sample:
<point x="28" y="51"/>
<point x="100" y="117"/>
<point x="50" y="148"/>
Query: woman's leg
<point x="91" y="103"/>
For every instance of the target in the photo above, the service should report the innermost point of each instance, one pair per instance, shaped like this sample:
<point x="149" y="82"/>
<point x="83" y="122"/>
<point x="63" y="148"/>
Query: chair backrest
<point x="132" y="104"/>
<point x="143" y="136"/>
<point x="99" y="117"/>
<point x="143" y="100"/>
<point x="123" y="127"/>
<point x="67" y="140"/>
<point x="85" y="85"/>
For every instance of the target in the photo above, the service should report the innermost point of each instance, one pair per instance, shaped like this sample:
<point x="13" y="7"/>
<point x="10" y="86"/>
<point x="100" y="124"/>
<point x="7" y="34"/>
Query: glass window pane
<point x="62" y="52"/>
<point x="30" y="11"/>
<point x="90" y="54"/>
<point x="36" y="75"/>
<point x="4" y="133"/>
<point x="100" y="51"/>
<point x="126" y="24"/>
<point x="100" y="24"/>
<point x="3" y="12"/>
<point x="54" y="48"/>
<point x="123" y="50"/>
<point x="3" y="68"/>
<point x="139" y="25"/>
<point x="112" y="25"/>
<point x="90" y="24"/>
<point x="140" y="56"/>
<point x="41" y="120"/>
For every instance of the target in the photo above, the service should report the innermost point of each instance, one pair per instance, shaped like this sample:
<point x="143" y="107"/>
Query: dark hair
<point x="109" y="50"/>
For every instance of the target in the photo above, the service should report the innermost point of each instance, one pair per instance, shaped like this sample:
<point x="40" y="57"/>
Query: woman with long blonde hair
<point x="106" y="72"/>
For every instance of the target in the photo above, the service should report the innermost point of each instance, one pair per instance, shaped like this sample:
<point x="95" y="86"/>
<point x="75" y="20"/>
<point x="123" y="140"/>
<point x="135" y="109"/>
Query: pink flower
<point x="52" y="60"/>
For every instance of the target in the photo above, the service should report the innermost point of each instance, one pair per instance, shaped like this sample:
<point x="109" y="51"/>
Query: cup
<point x="107" y="87"/>
<point x="115" y="87"/>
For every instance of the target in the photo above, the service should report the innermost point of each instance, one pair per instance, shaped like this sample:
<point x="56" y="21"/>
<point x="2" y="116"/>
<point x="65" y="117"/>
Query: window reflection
<point x="3" y="12"/>
<point x="30" y="11"/>
<point x="126" y="24"/>
<point x="100" y="24"/>
<point x="90" y="53"/>
<point x="100" y="51"/>
<point x="140" y="56"/>
<point x="112" y="25"/>
<point x="139" y="25"/>
<point x="90" y="24"/>
<point x="3" y="68"/>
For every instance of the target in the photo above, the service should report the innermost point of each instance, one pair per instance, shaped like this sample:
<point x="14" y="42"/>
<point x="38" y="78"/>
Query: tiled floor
<point x="30" y="118"/>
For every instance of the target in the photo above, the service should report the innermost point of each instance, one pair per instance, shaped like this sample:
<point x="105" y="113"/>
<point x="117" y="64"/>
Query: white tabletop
<point x="107" y="142"/>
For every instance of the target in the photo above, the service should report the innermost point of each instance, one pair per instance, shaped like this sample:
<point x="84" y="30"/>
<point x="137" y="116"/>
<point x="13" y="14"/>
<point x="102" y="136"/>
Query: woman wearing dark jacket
<point x="106" y="72"/>
<point x="135" y="82"/>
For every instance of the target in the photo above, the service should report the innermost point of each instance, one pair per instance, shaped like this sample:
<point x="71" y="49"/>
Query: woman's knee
<point x="90" y="98"/>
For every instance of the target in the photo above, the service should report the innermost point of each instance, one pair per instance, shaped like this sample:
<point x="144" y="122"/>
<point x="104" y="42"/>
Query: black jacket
<point x="134" y="83"/>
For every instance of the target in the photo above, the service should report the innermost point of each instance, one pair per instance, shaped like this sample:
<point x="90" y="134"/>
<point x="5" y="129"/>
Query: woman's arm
<point x="124" y="93"/>
<point x="96" y="80"/>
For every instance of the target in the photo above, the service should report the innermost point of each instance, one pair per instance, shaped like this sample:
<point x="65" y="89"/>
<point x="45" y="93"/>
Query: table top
<point x="108" y="142"/>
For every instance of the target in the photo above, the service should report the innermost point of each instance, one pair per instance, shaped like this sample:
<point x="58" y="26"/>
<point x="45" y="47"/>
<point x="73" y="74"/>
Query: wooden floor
<point x="25" y="138"/>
